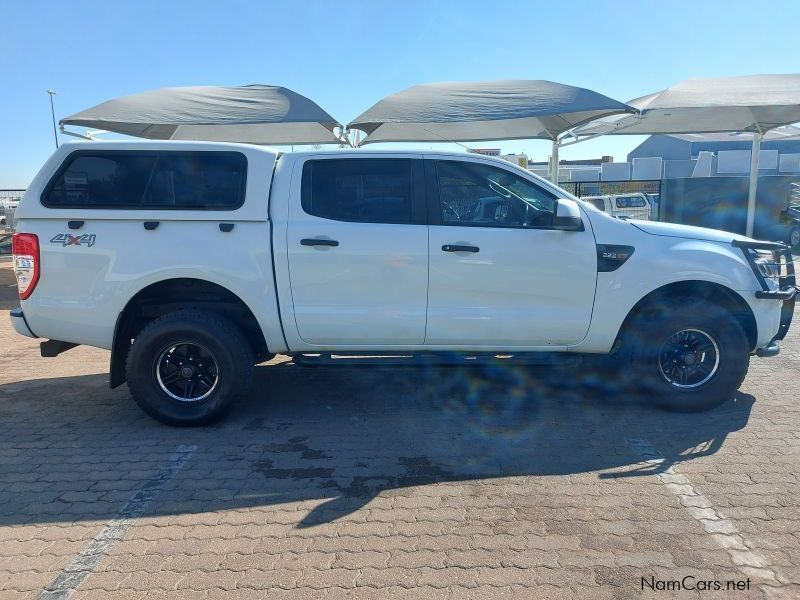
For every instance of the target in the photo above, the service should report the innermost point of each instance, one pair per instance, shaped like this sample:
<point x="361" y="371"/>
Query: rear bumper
<point x="20" y="324"/>
<point x="771" y="349"/>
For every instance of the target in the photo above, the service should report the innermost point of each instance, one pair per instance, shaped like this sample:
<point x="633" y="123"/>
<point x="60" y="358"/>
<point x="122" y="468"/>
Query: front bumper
<point x="787" y="287"/>
<point x="20" y="324"/>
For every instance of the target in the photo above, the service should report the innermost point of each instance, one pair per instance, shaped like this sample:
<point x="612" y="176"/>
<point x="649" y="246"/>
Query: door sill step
<point x="434" y="358"/>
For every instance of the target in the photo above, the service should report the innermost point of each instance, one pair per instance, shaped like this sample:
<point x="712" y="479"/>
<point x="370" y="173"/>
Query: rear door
<point x="358" y="251"/>
<point x="501" y="275"/>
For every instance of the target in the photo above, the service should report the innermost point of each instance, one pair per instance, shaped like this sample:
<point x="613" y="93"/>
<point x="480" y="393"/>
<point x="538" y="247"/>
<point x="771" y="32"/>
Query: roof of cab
<point x="164" y="144"/>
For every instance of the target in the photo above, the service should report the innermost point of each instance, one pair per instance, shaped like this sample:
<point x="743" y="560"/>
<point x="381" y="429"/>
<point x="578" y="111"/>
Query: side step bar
<point x="433" y="358"/>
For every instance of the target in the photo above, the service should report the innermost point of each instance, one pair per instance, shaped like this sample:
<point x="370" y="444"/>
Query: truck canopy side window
<point x="362" y="190"/>
<point x="148" y="179"/>
<point x="630" y="202"/>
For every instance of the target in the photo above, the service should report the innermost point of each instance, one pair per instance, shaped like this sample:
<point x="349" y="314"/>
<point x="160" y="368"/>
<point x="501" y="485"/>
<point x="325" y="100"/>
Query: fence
<point x="650" y="187"/>
<point x="8" y="204"/>
<point x="721" y="203"/>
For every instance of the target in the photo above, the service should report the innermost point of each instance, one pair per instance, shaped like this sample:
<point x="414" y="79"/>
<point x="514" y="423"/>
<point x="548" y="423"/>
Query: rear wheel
<point x="186" y="368"/>
<point x="687" y="356"/>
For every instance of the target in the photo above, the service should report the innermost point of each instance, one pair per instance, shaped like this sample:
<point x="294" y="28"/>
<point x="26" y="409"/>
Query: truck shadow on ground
<point x="336" y="436"/>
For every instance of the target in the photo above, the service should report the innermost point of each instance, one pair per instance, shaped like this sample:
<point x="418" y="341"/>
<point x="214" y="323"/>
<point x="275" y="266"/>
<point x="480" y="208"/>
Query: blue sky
<point x="347" y="54"/>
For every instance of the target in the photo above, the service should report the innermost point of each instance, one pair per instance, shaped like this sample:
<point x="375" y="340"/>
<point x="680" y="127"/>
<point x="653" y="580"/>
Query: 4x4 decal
<point x="66" y="239"/>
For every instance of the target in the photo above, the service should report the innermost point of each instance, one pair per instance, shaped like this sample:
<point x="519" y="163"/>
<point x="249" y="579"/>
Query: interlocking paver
<point x="367" y="483"/>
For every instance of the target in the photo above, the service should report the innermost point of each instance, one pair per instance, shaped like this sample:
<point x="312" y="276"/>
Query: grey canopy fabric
<point x="483" y="110"/>
<point x="256" y="114"/>
<point x="786" y="132"/>
<point x="754" y="103"/>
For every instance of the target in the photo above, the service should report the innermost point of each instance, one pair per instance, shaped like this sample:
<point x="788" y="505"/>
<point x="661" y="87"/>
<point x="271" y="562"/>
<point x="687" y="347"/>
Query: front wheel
<point x="688" y="356"/>
<point x="187" y="367"/>
<point x="794" y="238"/>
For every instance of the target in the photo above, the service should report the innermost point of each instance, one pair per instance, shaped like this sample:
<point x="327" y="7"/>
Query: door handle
<point x="318" y="242"/>
<point x="457" y="248"/>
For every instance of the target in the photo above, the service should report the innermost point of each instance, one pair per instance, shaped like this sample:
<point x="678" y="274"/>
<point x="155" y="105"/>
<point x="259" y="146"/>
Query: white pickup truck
<point x="194" y="261"/>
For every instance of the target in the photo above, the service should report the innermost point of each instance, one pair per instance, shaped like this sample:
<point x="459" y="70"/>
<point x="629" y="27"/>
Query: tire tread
<point x="222" y="329"/>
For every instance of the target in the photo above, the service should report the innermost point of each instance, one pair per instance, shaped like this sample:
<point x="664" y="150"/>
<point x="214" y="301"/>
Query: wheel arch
<point x="180" y="293"/>
<point x="716" y="293"/>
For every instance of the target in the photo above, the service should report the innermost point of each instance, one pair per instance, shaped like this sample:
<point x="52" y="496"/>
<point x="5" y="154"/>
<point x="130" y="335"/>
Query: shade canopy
<point x="754" y="103"/>
<point x="751" y="103"/>
<point x="785" y="132"/>
<point x="482" y="110"/>
<point x="256" y="114"/>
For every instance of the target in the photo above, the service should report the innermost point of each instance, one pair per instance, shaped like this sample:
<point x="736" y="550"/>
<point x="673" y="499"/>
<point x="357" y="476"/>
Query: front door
<point x="501" y="275"/>
<point x="358" y="252"/>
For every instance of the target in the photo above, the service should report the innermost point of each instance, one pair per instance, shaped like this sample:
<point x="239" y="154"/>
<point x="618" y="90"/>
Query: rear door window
<point x="363" y="190"/>
<point x="167" y="180"/>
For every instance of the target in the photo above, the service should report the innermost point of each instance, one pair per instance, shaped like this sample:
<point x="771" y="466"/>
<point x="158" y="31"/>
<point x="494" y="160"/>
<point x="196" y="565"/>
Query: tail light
<point x="27" y="264"/>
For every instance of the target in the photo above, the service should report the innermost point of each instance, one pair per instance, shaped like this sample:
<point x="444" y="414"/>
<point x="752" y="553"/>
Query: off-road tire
<point x="215" y="334"/>
<point x="645" y="341"/>
<point x="794" y="238"/>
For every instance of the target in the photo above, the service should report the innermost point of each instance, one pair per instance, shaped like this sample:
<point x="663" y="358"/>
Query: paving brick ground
<point x="410" y="482"/>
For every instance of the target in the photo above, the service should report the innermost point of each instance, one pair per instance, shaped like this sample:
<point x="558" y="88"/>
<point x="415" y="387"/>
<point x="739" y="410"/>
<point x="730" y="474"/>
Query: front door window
<point x="473" y="194"/>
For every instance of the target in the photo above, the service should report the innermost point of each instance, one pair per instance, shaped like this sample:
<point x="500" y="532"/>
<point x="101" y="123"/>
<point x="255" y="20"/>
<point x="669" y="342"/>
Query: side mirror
<point x="568" y="215"/>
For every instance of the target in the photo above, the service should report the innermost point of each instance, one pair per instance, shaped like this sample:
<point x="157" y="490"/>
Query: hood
<point x="686" y="231"/>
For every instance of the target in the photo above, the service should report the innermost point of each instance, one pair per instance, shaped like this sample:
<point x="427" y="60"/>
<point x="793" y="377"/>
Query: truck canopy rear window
<point x="156" y="180"/>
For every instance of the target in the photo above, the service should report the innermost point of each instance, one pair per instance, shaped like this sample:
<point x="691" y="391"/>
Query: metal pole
<point x="751" y="198"/>
<point x="53" y="115"/>
<point x="554" y="163"/>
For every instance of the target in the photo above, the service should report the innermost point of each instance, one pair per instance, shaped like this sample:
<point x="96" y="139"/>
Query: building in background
<point x="588" y="169"/>
<point x="521" y="159"/>
<point x="487" y="151"/>
<point x="719" y="154"/>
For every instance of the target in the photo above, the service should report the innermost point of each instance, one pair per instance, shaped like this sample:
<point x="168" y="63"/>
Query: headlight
<point x="767" y="264"/>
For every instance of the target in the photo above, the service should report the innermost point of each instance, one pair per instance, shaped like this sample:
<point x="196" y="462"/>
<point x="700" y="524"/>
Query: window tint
<point x="476" y="194"/>
<point x="630" y="202"/>
<point x="372" y="190"/>
<point x="149" y="180"/>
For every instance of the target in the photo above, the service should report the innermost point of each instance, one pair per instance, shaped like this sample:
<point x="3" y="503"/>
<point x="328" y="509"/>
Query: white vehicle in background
<point x="193" y="261"/>
<point x="626" y="206"/>
<point x="7" y="208"/>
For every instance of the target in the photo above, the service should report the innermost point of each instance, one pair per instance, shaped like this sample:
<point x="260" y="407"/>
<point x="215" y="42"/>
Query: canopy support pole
<point x="554" y="163"/>
<point x="84" y="136"/>
<point x="751" y="198"/>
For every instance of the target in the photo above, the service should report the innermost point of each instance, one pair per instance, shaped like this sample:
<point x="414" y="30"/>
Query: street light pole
<point x="53" y="115"/>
